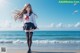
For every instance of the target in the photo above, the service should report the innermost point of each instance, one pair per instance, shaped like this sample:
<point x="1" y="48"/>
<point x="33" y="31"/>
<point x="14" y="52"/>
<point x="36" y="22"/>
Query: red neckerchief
<point x="27" y="17"/>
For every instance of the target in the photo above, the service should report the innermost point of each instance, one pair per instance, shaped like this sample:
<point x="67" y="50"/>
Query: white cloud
<point x="4" y="23"/>
<point x="9" y="25"/>
<point x="59" y="25"/>
<point x="75" y="11"/>
<point x="77" y="25"/>
<point x="52" y="25"/>
<point x="69" y="25"/>
<point x="75" y="4"/>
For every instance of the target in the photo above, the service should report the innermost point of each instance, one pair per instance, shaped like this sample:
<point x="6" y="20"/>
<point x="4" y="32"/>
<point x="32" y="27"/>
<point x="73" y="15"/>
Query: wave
<point x="42" y="41"/>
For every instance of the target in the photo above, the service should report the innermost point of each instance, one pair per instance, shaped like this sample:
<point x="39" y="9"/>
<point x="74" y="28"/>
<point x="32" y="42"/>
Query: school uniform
<point x="29" y="22"/>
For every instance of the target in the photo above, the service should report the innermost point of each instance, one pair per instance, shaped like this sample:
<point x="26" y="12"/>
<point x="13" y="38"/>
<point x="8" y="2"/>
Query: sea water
<point x="42" y="39"/>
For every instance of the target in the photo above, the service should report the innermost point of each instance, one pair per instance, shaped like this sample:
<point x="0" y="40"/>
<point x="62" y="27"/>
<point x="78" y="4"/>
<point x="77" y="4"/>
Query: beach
<point x="21" y="48"/>
<point x="41" y="51"/>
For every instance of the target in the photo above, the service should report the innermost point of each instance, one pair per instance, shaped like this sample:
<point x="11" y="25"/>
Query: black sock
<point x="27" y="35"/>
<point x="29" y="38"/>
<point x="31" y="33"/>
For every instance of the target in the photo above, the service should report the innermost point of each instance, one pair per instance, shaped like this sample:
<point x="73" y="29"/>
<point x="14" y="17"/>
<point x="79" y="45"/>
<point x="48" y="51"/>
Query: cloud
<point x="69" y="25"/>
<point x="75" y="4"/>
<point x="59" y="25"/>
<point x="4" y="23"/>
<point x="52" y="25"/>
<point x="9" y="25"/>
<point x="75" y="11"/>
<point x="77" y="25"/>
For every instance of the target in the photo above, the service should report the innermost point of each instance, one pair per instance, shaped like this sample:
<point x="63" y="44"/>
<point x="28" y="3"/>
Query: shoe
<point x="29" y="51"/>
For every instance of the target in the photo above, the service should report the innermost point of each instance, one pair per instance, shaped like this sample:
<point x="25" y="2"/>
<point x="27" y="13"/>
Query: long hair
<point x="18" y="14"/>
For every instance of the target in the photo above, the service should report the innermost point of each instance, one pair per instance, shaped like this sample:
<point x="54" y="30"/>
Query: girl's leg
<point x="27" y="35"/>
<point x="30" y="39"/>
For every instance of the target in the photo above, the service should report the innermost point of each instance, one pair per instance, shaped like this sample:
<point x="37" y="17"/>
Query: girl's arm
<point x="34" y="20"/>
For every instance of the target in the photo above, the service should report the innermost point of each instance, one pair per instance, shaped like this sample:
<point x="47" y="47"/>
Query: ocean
<point x="46" y="39"/>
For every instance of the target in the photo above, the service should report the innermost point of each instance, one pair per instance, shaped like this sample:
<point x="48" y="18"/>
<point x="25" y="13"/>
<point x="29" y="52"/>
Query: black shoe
<point x="29" y="51"/>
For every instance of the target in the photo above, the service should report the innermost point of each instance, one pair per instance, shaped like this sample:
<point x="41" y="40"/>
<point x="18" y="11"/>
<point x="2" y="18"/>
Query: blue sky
<point x="52" y="15"/>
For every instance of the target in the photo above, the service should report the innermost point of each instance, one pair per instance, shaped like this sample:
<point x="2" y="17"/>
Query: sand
<point x="40" y="51"/>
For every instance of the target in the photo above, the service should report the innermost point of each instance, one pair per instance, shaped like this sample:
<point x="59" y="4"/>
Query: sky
<point x="52" y="15"/>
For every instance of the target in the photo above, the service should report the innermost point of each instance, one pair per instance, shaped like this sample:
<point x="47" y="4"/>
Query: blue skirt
<point x="28" y="26"/>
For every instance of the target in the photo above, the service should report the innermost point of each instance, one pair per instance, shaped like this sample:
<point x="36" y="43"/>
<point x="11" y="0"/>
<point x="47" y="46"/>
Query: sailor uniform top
<point x="31" y="18"/>
<point x="29" y="21"/>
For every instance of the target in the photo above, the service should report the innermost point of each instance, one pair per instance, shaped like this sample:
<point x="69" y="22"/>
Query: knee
<point x="28" y="39"/>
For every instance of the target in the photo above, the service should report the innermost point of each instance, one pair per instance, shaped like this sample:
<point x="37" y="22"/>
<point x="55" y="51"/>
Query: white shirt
<point x="31" y="18"/>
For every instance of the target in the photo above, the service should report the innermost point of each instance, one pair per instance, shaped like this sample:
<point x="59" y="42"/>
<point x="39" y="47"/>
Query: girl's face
<point x="28" y="9"/>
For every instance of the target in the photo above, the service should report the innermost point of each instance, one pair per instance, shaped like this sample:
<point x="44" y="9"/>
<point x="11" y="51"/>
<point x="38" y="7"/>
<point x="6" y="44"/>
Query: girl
<point x="28" y="18"/>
